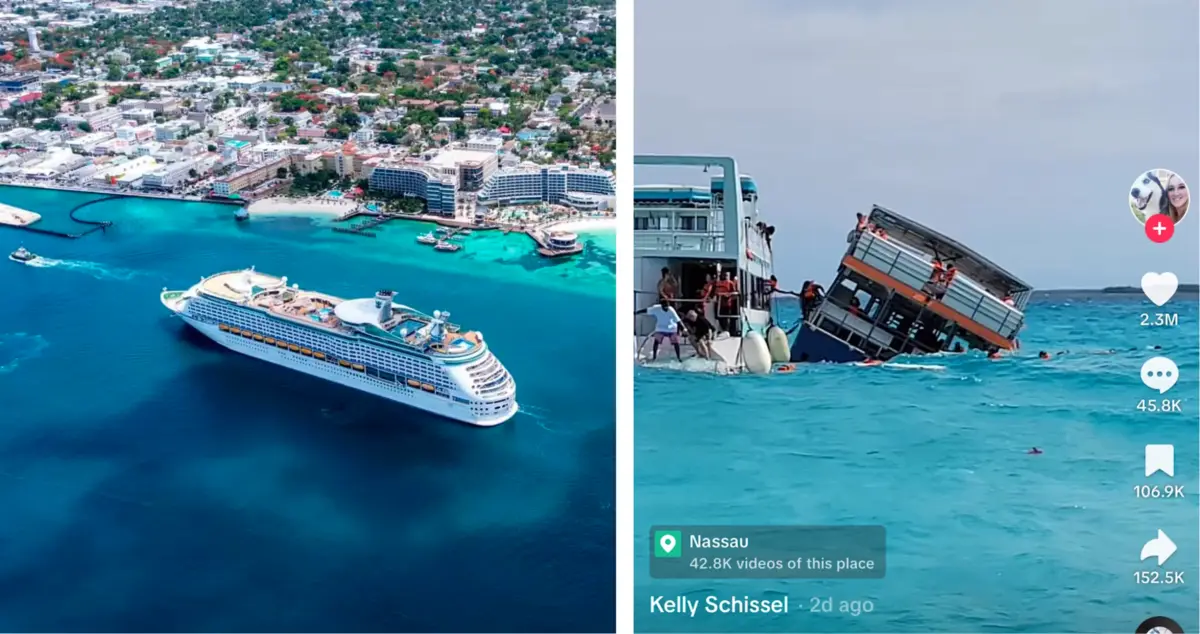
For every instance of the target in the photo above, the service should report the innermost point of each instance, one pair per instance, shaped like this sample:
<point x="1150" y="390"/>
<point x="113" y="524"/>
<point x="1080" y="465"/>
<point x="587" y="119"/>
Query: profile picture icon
<point x="1159" y="191"/>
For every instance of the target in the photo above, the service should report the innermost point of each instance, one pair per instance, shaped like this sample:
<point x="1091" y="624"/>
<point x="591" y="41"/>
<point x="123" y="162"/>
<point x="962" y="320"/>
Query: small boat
<point x="465" y="232"/>
<point x="428" y="238"/>
<point x="22" y="255"/>
<point x="241" y="214"/>
<point x="446" y="246"/>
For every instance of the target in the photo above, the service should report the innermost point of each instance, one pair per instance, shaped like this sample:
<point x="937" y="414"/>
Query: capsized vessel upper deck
<point x="891" y="296"/>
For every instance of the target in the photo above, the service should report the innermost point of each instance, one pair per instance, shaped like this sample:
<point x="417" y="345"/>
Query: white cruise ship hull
<point x="396" y="392"/>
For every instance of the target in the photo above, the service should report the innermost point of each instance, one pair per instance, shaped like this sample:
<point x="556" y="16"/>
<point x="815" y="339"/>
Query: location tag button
<point x="666" y="543"/>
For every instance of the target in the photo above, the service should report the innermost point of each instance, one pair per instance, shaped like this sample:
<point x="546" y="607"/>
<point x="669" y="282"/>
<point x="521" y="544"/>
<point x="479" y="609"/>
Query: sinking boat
<point x="903" y="288"/>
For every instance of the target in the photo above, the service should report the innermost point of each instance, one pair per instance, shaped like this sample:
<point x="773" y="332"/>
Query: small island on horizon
<point x="1190" y="289"/>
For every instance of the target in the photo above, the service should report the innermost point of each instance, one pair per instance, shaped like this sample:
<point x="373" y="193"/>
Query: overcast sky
<point x="1016" y="127"/>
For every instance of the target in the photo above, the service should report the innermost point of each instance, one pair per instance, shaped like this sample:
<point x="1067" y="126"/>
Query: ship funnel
<point x="383" y="304"/>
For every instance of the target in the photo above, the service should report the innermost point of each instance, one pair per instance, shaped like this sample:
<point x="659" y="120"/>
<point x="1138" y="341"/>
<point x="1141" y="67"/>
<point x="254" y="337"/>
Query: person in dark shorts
<point x="702" y="332"/>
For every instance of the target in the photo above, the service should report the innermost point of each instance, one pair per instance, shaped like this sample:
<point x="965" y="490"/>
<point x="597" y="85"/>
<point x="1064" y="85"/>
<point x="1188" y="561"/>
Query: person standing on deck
<point x="727" y="303"/>
<point x="667" y="325"/>
<point x="668" y="286"/>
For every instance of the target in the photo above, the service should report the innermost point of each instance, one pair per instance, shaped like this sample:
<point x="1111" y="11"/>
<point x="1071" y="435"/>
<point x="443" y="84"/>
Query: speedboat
<point x="446" y="246"/>
<point x="22" y="255"/>
<point x="428" y="238"/>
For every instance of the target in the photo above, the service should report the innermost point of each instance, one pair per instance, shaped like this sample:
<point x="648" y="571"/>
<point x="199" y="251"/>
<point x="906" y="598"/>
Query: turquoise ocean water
<point x="151" y="481"/>
<point x="982" y="537"/>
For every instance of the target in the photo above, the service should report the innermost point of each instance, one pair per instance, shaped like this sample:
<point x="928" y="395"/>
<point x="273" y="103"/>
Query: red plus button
<point x="1160" y="228"/>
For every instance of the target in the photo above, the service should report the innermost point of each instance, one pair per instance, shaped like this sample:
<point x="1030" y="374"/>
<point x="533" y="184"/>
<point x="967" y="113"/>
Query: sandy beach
<point x="15" y="216"/>
<point x="582" y="224"/>
<point x="300" y="206"/>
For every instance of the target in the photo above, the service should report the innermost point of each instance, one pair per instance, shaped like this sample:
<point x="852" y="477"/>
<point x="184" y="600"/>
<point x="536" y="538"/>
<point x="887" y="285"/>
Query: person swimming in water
<point x="1035" y="452"/>
<point x="872" y="362"/>
<point x="1043" y="355"/>
<point x="993" y="354"/>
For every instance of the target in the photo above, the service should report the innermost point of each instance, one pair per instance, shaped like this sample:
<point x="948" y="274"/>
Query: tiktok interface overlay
<point x="1160" y="199"/>
<point x="768" y="552"/>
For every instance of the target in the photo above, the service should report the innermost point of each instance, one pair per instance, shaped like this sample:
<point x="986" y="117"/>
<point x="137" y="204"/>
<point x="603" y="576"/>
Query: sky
<point x="1016" y="127"/>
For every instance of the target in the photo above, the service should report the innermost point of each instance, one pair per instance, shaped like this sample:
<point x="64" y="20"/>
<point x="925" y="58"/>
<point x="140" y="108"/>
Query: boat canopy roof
<point x="971" y="263"/>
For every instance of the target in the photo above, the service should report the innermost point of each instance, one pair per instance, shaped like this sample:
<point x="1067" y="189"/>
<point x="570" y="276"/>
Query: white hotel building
<point x="563" y="184"/>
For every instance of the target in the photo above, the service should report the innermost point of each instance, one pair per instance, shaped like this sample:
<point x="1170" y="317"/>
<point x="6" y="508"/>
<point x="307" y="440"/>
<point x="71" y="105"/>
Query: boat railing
<point x="679" y="240"/>
<point x="963" y="295"/>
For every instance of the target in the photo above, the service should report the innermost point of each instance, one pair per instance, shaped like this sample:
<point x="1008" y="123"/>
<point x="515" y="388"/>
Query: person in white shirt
<point x="666" y="325"/>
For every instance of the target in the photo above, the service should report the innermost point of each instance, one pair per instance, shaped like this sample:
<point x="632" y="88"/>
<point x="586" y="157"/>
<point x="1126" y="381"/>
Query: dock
<point x="93" y="225"/>
<point x="455" y="225"/>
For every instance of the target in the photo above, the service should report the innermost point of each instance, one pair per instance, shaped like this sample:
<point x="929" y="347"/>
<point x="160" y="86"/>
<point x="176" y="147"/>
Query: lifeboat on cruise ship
<point x="306" y="352"/>
<point x="236" y="331"/>
<point x="224" y="327"/>
<point x="427" y="387"/>
<point x="269" y="341"/>
<point x="319" y="355"/>
<point x="247" y="334"/>
<point x="359" y="368"/>
<point x="281" y="344"/>
<point x="258" y="337"/>
<point x="294" y="348"/>
<point x="344" y="363"/>
<point x="413" y="383"/>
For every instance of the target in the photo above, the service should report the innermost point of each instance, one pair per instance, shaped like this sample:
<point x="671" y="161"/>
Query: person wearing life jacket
<point x="727" y="302"/>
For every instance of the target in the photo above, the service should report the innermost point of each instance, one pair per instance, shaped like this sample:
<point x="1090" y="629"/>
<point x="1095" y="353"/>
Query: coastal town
<point x="471" y="113"/>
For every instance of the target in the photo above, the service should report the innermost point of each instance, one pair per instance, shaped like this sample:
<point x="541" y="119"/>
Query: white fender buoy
<point x="777" y="344"/>
<point x="755" y="353"/>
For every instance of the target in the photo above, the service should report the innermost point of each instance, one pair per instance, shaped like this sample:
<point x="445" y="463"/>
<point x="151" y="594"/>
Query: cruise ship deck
<point x="272" y="294"/>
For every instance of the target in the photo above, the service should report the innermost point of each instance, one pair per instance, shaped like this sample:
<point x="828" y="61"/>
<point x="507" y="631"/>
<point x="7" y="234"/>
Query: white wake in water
<point x="95" y="269"/>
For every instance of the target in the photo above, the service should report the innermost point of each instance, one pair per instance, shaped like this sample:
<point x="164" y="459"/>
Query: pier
<point x="93" y="225"/>
<point x="541" y="238"/>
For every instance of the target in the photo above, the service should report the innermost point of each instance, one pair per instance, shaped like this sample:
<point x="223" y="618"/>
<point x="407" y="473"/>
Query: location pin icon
<point x="667" y="542"/>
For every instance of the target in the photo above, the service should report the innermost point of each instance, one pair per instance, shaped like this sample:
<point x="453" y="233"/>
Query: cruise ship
<point x="371" y="344"/>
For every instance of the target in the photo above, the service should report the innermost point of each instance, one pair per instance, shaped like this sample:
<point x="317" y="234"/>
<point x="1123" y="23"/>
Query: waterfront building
<point x="126" y="171"/>
<point x="555" y="184"/>
<point x="467" y="169"/>
<point x="413" y="178"/>
<point x="169" y="176"/>
<point x="249" y="176"/>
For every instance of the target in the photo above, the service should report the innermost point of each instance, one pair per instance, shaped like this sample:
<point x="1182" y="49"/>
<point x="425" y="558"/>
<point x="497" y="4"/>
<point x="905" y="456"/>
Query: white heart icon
<point x="1160" y="287"/>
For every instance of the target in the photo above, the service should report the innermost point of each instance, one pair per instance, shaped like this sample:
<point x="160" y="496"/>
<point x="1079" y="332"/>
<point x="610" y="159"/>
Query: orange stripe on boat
<point x="934" y="306"/>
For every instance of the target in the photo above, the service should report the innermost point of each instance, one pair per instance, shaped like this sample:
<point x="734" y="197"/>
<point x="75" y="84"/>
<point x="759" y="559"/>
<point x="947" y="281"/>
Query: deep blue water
<point x="151" y="481"/>
<point x="982" y="537"/>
